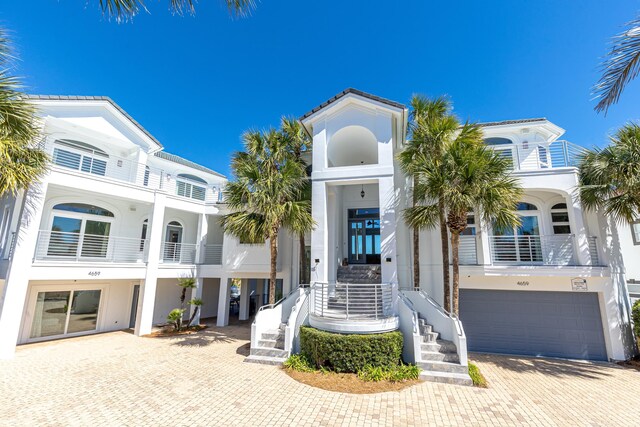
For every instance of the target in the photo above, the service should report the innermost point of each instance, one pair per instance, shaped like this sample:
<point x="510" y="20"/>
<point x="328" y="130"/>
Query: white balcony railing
<point x="467" y="251"/>
<point x="213" y="254"/>
<point x="533" y="250"/>
<point x="352" y="301"/>
<point x="79" y="247"/>
<point x="535" y="156"/>
<point x="178" y="253"/>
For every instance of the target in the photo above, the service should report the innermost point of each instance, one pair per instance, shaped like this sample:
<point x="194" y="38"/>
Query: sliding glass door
<point x="61" y="313"/>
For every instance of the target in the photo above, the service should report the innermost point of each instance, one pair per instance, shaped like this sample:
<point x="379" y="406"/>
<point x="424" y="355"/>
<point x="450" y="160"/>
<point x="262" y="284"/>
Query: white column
<point x="244" y="299"/>
<point x="389" y="262"/>
<point x="579" y="229"/>
<point x="203" y="225"/>
<point x="223" y="302"/>
<point x="17" y="282"/>
<point x="147" y="298"/>
<point x="483" y="245"/>
<point x="319" y="236"/>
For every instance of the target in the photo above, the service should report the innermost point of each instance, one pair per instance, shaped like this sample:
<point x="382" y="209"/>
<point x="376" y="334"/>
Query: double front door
<point x="364" y="236"/>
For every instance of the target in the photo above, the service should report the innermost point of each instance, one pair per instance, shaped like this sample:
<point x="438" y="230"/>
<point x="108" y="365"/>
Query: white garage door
<point x="552" y="324"/>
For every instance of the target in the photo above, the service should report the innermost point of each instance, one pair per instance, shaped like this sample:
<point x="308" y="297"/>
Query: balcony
<point x="80" y="247"/>
<point x="537" y="156"/>
<point x="66" y="156"/>
<point x="353" y="308"/>
<point x="213" y="254"/>
<point x="178" y="253"/>
<point x="544" y="250"/>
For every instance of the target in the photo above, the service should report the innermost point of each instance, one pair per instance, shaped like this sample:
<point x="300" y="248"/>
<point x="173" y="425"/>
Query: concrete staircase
<point x="439" y="359"/>
<point x="270" y="349"/>
<point x="359" y="273"/>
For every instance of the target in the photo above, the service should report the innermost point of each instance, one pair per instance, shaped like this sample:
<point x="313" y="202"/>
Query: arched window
<point x="560" y="219"/>
<point x="83" y="208"/>
<point x="498" y="141"/>
<point x="523" y="206"/>
<point x="188" y="186"/>
<point x="80" y="156"/>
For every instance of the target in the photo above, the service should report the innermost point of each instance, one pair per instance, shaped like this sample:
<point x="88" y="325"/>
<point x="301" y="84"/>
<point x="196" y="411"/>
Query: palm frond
<point x="620" y="66"/>
<point x="123" y="10"/>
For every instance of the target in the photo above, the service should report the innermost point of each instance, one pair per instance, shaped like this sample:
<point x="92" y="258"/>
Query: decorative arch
<point x="352" y="146"/>
<point x="498" y="141"/>
<point x="84" y="209"/>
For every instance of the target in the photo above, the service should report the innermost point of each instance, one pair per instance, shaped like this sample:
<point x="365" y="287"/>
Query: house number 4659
<point x="94" y="273"/>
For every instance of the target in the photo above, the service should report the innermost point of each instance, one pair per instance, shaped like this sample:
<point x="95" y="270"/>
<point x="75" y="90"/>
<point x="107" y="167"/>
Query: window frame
<point x="635" y="236"/>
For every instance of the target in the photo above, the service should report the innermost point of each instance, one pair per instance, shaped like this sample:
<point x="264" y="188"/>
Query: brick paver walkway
<point x="119" y="379"/>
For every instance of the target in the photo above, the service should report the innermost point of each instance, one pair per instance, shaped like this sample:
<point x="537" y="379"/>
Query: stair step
<point x="268" y="351"/>
<point x="425" y="329"/>
<point x="436" y="356"/>
<point x="442" y="346"/>
<point x="448" y="367"/>
<point x="430" y="337"/>
<point x="265" y="360"/>
<point x="279" y="344"/>
<point x="273" y="335"/>
<point x="447" y="378"/>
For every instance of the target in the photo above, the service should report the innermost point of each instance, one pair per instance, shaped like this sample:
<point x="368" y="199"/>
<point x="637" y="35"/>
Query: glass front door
<point x="60" y="313"/>
<point x="519" y="244"/>
<point x="364" y="236"/>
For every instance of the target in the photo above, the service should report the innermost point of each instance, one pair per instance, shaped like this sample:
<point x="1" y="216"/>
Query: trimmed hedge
<point x="635" y="315"/>
<point x="350" y="353"/>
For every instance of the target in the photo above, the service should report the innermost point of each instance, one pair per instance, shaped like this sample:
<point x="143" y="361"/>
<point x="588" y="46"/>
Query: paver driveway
<point x="119" y="379"/>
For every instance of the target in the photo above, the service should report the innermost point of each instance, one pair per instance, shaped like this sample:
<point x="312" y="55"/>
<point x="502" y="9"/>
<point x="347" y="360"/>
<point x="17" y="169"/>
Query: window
<point x="503" y="147"/>
<point x="65" y="312"/>
<point x="187" y="186"/>
<point x="635" y="232"/>
<point x="560" y="219"/>
<point x="80" y="156"/>
<point x="79" y="230"/>
<point x="471" y="226"/>
<point x="143" y="235"/>
<point x="145" y="181"/>
<point x="522" y="206"/>
<point x="543" y="159"/>
<point x="4" y="226"/>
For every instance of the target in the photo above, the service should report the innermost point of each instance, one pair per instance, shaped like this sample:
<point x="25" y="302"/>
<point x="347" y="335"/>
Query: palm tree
<point x="21" y="162"/>
<point x="299" y="143"/>
<point x="127" y="9"/>
<point x="620" y="66"/>
<point x="264" y="198"/>
<point x="610" y="177"/>
<point x="468" y="177"/>
<point x="431" y="128"/>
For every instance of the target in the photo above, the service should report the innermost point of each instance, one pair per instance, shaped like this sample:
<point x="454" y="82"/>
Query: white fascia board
<point x="351" y="98"/>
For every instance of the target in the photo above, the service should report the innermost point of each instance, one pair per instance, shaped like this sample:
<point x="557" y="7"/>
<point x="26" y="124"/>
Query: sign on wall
<point x="579" y="284"/>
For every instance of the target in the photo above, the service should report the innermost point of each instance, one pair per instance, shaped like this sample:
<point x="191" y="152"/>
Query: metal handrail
<point x="533" y="249"/>
<point x="352" y="301"/>
<point x="84" y="247"/>
<point x="291" y="292"/>
<point x="178" y="253"/>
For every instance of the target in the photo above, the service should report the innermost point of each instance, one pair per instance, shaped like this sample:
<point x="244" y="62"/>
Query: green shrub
<point x="635" y="315"/>
<point x="298" y="362"/>
<point x="476" y="376"/>
<point x="350" y="353"/>
<point x="395" y="374"/>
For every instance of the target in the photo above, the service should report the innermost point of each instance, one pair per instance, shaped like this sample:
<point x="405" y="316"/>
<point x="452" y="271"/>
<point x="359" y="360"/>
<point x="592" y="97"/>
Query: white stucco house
<point x="101" y="241"/>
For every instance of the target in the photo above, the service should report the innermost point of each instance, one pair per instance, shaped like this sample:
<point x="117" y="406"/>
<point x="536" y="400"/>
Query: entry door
<point x="519" y="244"/>
<point x="357" y="241"/>
<point x="173" y="240"/>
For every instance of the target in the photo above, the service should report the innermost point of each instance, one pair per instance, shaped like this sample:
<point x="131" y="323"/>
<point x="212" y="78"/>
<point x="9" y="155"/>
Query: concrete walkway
<point x="119" y="379"/>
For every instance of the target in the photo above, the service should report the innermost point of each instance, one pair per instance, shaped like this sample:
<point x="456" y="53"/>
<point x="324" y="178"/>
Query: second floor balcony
<point x="538" y="155"/>
<point x="532" y="250"/>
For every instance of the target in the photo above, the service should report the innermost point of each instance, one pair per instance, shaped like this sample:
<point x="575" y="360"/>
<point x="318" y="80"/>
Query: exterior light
<point x="362" y="192"/>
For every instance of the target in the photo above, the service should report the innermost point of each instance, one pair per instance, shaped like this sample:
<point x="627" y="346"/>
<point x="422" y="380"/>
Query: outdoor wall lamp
<point x="317" y="261"/>
<point x="362" y="192"/>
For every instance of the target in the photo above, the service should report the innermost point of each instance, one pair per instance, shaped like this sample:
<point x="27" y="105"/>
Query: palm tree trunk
<point x="273" y="243"/>
<point x="303" y="260"/>
<point x="444" y="239"/>
<point x="416" y="251"/>
<point x="455" y="245"/>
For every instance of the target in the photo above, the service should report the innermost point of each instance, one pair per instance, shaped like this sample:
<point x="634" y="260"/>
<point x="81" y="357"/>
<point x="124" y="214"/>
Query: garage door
<point x="553" y="324"/>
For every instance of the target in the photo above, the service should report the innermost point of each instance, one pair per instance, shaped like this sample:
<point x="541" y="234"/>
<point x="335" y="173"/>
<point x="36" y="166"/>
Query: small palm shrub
<point x="176" y="316"/>
<point x="476" y="376"/>
<point x="298" y="362"/>
<point x="396" y="374"/>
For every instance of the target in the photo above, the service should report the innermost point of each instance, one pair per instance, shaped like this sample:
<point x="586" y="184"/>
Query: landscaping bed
<point x="169" y="331"/>
<point x="347" y="383"/>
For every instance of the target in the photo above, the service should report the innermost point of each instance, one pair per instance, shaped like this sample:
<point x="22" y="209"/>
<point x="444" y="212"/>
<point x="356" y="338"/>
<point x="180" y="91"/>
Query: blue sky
<point x="196" y="83"/>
